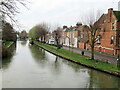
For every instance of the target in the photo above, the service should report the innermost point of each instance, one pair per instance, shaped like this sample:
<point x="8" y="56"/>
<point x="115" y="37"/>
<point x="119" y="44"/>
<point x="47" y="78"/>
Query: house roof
<point x="72" y="29"/>
<point x="117" y="14"/>
<point x="103" y="18"/>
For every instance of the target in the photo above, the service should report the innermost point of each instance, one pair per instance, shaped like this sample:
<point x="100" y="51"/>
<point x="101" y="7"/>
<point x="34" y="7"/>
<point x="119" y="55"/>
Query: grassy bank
<point x="5" y="48"/>
<point x="78" y="58"/>
<point x="8" y="43"/>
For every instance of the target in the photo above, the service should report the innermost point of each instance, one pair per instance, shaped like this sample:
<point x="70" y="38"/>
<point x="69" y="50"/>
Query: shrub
<point x="5" y="52"/>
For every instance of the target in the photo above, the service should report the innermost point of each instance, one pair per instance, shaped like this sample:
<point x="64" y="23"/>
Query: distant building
<point x="108" y="40"/>
<point x="71" y="35"/>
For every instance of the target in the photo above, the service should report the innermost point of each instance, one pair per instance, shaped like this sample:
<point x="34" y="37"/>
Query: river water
<point x="33" y="67"/>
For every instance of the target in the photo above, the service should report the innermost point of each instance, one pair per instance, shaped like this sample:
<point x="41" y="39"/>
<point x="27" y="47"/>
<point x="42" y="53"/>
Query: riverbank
<point x="8" y="44"/>
<point x="5" y="48"/>
<point x="82" y="60"/>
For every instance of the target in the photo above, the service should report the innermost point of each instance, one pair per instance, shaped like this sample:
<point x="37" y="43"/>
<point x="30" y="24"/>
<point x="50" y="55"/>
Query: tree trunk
<point x="92" y="52"/>
<point x="44" y="38"/>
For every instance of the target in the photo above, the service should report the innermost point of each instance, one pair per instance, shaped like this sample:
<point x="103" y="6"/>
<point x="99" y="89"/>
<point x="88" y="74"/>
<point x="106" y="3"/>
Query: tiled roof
<point x="73" y="28"/>
<point x="103" y="18"/>
<point x="117" y="14"/>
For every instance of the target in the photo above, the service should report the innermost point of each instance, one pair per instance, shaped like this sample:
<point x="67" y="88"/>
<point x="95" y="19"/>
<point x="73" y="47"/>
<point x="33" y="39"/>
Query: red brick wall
<point x="106" y="45"/>
<point x="109" y="51"/>
<point x="118" y="51"/>
<point x="81" y="45"/>
<point x="118" y="25"/>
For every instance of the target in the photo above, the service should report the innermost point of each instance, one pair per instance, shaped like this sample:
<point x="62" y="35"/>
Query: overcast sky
<point x="61" y="12"/>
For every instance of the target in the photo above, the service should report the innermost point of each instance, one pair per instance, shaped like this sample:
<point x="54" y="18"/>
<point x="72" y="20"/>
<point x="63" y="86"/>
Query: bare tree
<point x="23" y="35"/>
<point x="57" y="34"/>
<point x="94" y="32"/>
<point x="39" y="31"/>
<point x="45" y="28"/>
<point x="9" y="8"/>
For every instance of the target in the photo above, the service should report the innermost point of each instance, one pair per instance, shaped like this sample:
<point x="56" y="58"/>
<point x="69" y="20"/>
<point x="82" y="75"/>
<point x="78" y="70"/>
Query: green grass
<point x="8" y="43"/>
<point x="79" y="58"/>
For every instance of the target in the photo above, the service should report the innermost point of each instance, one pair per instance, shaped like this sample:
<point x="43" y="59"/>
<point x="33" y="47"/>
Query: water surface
<point x="33" y="67"/>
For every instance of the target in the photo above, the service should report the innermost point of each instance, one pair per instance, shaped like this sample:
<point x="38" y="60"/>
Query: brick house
<point x="109" y="37"/>
<point x="50" y="37"/>
<point x="71" y="35"/>
<point x="83" y="37"/>
<point x="110" y="25"/>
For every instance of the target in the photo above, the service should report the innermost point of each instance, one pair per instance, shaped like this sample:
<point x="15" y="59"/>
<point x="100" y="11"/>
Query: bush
<point x="5" y="52"/>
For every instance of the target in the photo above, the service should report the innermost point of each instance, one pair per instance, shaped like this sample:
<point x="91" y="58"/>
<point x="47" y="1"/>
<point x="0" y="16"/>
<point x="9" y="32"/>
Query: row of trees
<point x="57" y="34"/>
<point x="39" y="32"/>
<point x="23" y="35"/>
<point x="8" y="33"/>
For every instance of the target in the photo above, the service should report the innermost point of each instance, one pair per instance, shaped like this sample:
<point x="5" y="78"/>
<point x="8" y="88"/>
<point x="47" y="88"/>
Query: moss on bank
<point x="84" y="60"/>
<point x="5" y="49"/>
<point x="8" y="43"/>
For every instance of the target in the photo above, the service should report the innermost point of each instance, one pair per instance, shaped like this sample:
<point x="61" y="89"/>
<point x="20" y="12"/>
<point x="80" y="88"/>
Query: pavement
<point x="101" y="56"/>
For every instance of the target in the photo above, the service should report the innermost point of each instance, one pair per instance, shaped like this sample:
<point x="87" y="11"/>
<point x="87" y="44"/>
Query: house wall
<point x="105" y="45"/>
<point x="71" y="38"/>
<point x="81" y="45"/>
<point x="106" y="32"/>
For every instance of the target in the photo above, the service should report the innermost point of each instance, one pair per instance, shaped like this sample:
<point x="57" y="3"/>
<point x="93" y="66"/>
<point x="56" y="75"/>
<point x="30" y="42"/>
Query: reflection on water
<point x="56" y="66"/>
<point x="33" y="67"/>
<point x="6" y="61"/>
<point x="24" y="42"/>
<point x="0" y="68"/>
<point x="0" y="63"/>
<point x="38" y="54"/>
<point x="98" y="79"/>
<point x="0" y="79"/>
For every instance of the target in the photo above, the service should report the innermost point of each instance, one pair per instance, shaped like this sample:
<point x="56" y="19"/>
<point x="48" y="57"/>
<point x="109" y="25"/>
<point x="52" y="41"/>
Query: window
<point x="119" y="41"/>
<point x="98" y="39"/>
<point x="81" y="35"/>
<point x="73" y="35"/>
<point x="68" y="34"/>
<point x="112" y="26"/>
<point x="112" y="40"/>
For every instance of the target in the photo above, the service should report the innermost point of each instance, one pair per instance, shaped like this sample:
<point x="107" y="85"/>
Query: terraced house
<point x="71" y="35"/>
<point x="108" y="40"/>
<point x="109" y="37"/>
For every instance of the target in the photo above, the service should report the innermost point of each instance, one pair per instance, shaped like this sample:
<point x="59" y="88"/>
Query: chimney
<point x="64" y="27"/>
<point x="110" y="11"/>
<point x="79" y="24"/>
